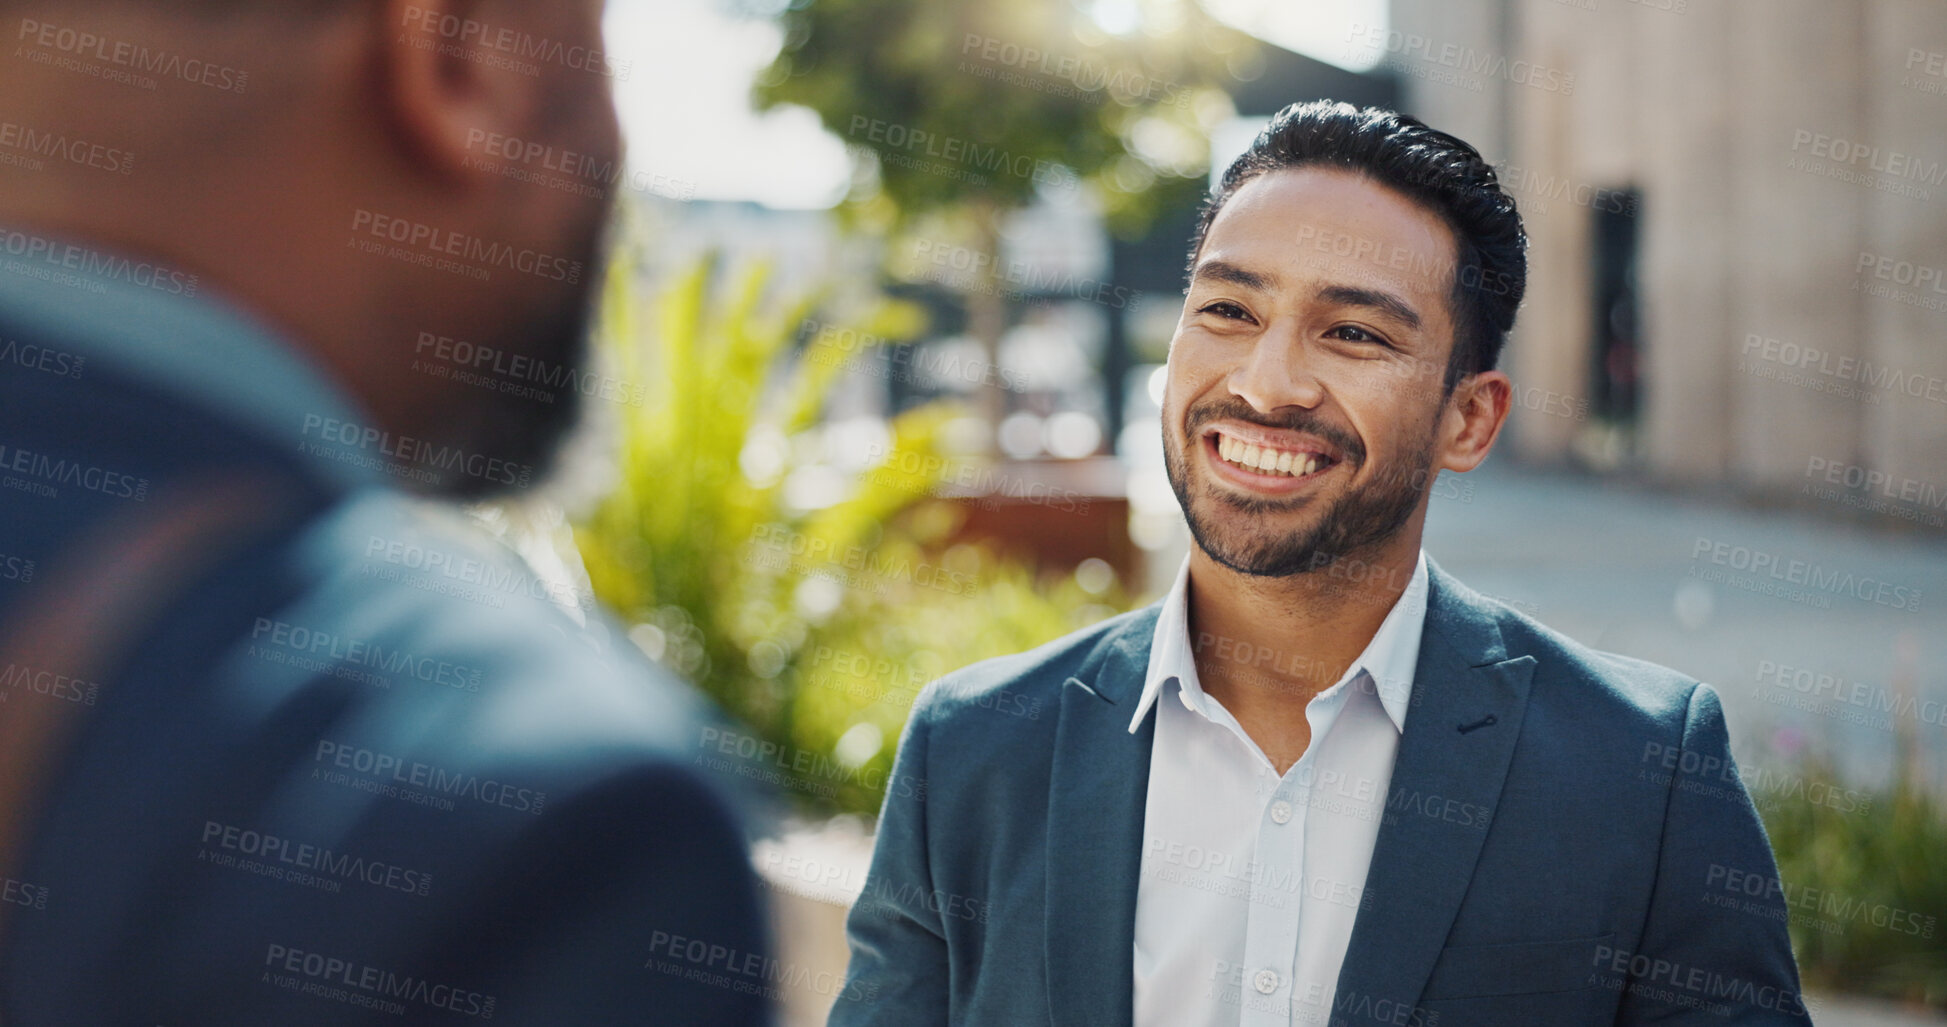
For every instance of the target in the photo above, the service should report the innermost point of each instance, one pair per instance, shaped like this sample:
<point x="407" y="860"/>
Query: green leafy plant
<point x="1866" y="886"/>
<point x="815" y="625"/>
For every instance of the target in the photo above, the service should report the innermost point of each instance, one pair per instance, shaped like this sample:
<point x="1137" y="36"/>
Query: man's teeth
<point x="1266" y="460"/>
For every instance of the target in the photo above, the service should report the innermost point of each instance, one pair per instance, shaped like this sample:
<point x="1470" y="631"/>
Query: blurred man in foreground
<point x="276" y="746"/>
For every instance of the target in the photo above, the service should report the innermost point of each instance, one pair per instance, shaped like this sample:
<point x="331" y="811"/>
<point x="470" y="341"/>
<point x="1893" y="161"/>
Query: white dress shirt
<point x="1251" y="880"/>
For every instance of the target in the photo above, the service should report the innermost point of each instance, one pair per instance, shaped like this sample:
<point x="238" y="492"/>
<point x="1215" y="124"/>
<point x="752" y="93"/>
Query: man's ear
<point x="1472" y="419"/>
<point x="439" y="103"/>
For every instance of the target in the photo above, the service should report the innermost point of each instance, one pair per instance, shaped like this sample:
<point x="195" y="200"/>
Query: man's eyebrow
<point x="1384" y="302"/>
<point x="1225" y="271"/>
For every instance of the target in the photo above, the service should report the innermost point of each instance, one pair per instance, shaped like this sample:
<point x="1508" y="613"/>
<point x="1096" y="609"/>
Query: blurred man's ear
<point x="440" y="103"/>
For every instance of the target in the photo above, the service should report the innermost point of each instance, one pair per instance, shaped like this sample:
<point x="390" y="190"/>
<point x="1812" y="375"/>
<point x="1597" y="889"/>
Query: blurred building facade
<point x="1738" y="223"/>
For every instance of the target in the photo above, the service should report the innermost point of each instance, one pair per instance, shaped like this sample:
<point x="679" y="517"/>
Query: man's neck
<point x="1265" y="646"/>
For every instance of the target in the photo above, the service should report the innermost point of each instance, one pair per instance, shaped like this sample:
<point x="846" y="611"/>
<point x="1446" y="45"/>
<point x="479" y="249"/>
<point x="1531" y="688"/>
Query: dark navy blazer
<point x="1558" y="831"/>
<point x="360" y="770"/>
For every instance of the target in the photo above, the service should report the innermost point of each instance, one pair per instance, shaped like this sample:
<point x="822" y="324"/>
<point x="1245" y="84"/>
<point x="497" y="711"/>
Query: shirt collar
<point x="1391" y="658"/>
<point x="161" y="326"/>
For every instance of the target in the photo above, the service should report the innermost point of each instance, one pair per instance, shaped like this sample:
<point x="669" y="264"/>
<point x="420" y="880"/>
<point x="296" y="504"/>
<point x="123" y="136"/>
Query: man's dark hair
<point x="1447" y="175"/>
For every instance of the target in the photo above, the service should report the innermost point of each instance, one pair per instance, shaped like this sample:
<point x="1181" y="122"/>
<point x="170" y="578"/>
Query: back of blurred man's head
<point x="413" y="192"/>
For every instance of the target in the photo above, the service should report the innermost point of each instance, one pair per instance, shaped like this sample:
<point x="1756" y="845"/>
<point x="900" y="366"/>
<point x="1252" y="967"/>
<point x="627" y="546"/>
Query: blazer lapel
<point x="1098" y="789"/>
<point x="1468" y="702"/>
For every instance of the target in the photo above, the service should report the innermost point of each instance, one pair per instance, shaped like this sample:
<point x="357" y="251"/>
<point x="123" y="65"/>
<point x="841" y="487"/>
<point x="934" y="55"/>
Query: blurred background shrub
<point x="1866" y="887"/>
<point x="807" y="578"/>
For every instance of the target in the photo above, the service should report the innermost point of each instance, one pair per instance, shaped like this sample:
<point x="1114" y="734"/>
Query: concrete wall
<point x="1734" y="118"/>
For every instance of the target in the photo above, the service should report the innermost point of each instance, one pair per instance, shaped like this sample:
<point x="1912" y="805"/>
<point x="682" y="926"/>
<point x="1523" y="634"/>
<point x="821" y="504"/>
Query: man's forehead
<point x="1309" y="222"/>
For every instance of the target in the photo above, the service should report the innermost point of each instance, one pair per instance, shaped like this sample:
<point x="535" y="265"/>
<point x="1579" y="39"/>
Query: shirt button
<point x="1266" y="981"/>
<point x="1281" y="811"/>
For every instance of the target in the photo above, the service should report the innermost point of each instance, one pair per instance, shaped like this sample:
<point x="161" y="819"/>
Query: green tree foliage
<point x="977" y="103"/>
<point x="964" y="110"/>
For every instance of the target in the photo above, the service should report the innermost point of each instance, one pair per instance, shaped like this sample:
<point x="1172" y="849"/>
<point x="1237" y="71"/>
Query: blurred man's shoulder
<point x="438" y="622"/>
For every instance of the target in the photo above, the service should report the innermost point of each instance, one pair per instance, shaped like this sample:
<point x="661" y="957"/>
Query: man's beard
<point x="1359" y="520"/>
<point x="524" y="423"/>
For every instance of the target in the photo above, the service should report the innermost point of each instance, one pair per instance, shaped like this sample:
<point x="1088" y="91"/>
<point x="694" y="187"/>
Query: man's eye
<point x="1354" y="333"/>
<point x="1224" y="308"/>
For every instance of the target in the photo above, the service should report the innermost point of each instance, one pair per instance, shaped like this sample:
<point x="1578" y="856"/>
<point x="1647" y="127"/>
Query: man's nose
<point x="1277" y="372"/>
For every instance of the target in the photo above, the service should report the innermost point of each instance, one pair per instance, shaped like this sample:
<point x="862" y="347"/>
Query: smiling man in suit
<point x="1322" y="781"/>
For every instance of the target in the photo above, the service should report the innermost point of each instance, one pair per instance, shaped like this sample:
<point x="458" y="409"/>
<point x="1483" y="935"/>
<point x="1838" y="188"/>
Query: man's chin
<point x="1289" y="543"/>
<point x="1277" y="558"/>
<point x="517" y="454"/>
<point x="1243" y="544"/>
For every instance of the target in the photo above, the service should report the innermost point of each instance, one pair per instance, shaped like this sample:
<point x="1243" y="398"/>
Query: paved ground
<point x="1617" y="567"/>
